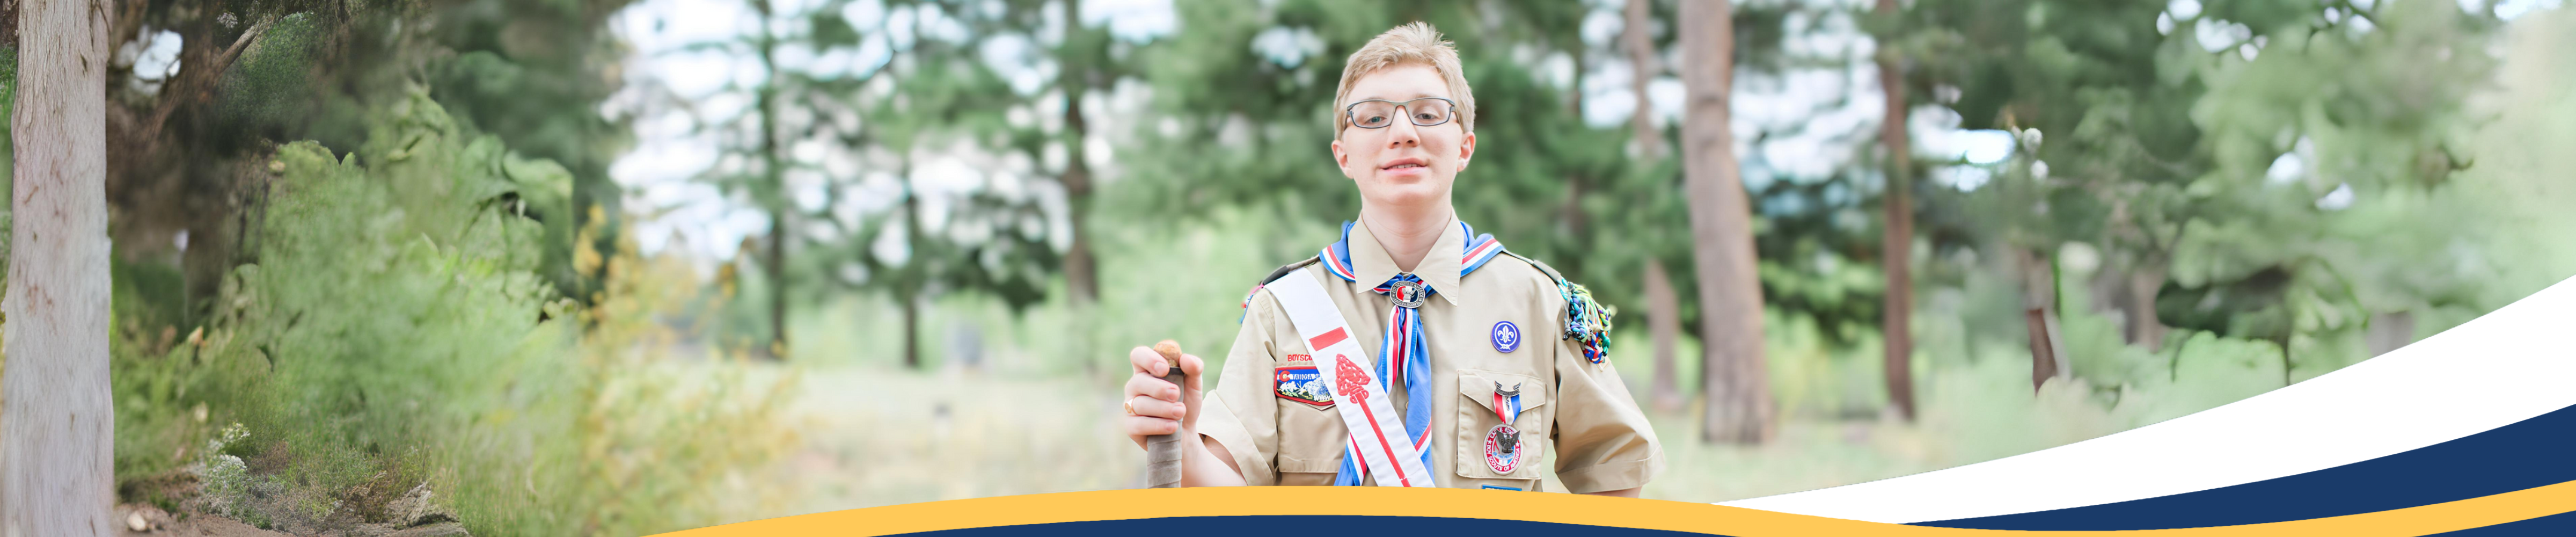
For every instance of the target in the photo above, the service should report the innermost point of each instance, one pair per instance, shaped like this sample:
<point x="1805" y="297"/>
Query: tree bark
<point x="1730" y="293"/>
<point x="911" y="330"/>
<point x="1896" y="242"/>
<point x="774" y="186"/>
<point x="1638" y="38"/>
<point x="2039" y="316"/>
<point x="2140" y="308"/>
<point x="1663" y="305"/>
<point x="1081" y="269"/>
<point x="1664" y="322"/>
<point x="56" y="424"/>
<point x="915" y="272"/>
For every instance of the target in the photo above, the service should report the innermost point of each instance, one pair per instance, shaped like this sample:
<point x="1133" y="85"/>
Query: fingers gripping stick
<point x="1163" y="451"/>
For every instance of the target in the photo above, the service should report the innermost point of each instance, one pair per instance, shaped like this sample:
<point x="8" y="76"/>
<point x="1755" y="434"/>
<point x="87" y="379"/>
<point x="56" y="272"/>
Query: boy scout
<point x="1412" y="352"/>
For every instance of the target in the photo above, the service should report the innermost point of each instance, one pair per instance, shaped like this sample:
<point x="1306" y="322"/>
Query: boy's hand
<point x="1155" y="406"/>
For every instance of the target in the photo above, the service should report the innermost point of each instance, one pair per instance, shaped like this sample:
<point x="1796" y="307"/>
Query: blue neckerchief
<point x="1404" y="333"/>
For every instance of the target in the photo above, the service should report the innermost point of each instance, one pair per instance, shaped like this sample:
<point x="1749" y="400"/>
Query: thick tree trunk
<point x="56" y="425"/>
<point x="1664" y="323"/>
<point x="1730" y="293"/>
<point x="1638" y="38"/>
<point x="2039" y="316"/>
<point x="1896" y="242"/>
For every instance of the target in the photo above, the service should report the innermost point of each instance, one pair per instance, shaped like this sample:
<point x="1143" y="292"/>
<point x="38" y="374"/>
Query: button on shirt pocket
<point x="1488" y="448"/>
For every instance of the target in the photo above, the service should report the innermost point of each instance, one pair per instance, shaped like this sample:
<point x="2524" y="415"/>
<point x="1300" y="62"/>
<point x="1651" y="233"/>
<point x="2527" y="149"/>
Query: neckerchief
<point x="1402" y="354"/>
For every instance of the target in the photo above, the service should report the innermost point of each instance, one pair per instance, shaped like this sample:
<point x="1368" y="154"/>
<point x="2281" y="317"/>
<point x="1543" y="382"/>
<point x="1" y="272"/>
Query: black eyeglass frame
<point x="1351" y="111"/>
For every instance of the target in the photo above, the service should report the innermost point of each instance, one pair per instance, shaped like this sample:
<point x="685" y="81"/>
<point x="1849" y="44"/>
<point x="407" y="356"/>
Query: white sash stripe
<point x="1377" y="429"/>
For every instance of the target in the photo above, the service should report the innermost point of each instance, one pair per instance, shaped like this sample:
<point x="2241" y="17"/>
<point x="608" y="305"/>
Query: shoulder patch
<point x="1587" y="321"/>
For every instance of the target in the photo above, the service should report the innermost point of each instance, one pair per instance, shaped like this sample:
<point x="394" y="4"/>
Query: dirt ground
<point x="410" y="515"/>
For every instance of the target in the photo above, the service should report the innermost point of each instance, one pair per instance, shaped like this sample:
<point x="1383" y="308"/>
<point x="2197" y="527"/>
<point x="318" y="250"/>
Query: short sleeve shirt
<point x="1499" y="327"/>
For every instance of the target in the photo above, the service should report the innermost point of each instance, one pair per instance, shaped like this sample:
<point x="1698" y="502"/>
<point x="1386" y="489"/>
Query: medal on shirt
<point x="1503" y="443"/>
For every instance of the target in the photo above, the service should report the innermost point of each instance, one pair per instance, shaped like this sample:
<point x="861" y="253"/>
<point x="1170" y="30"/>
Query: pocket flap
<point x="1291" y="464"/>
<point x="1480" y="386"/>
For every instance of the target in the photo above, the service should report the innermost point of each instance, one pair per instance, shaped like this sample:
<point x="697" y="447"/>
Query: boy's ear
<point x="1466" y="150"/>
<point x="1341" y="159"/>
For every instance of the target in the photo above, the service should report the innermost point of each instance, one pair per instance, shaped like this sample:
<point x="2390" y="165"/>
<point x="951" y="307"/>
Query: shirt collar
<point x="1439" y="269"/>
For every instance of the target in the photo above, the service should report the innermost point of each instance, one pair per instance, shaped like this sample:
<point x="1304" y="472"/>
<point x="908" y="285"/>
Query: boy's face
<point x="1403" y="164"/>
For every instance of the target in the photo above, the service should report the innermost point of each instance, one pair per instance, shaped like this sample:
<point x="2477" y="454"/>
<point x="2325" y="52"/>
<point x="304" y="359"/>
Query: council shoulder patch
<point x="1301" y="383"/>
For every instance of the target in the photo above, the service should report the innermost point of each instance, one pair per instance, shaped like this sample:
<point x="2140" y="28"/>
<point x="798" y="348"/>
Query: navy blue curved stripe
<point x="2530" y="453"/>
<point x="1303" y="525"/>
<point x="2558" y="525"/>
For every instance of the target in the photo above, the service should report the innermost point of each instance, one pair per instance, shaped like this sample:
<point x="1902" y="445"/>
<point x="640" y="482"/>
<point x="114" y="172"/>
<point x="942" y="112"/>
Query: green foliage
<point x="395" y="329"/>
<point x="427" y="233"/>
<point x="534" y="74"/>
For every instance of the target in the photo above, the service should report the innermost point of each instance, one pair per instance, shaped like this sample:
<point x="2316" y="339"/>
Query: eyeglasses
<point x="1380" y="113"/>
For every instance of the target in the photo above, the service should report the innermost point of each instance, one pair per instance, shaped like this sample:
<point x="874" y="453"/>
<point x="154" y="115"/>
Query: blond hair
<point x="1414" y="43"/>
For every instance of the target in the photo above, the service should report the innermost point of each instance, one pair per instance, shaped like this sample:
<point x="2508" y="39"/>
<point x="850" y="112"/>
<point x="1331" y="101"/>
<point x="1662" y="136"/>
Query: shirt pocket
<point x="1310" y="442"/>
<point x="1304" y="471"/>
<point x="1486" y="449"/>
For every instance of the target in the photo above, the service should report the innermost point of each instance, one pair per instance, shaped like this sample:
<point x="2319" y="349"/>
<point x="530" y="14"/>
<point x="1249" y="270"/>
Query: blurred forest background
<point x="614" y="267"/>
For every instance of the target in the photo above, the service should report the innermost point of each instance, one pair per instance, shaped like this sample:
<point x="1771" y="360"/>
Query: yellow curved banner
<point x="1564" y="509"/>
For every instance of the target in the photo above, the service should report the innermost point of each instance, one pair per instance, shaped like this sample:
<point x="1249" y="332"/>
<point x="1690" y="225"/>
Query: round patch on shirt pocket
<point x="1503" y="451"/>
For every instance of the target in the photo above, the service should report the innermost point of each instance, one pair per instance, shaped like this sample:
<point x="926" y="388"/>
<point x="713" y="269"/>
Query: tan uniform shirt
<point x="1579" y="409"/>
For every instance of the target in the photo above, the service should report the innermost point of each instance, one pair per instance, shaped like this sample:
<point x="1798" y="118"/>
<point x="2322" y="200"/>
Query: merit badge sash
<point x="1378" y="435"/>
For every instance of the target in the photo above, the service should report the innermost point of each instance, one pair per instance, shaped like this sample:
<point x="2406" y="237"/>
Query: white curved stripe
<point x="2512" y="364"/>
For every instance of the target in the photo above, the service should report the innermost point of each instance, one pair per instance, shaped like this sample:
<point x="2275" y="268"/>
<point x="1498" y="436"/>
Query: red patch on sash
<point x="1349" y="378"/>
<point x="1327" y="339"/>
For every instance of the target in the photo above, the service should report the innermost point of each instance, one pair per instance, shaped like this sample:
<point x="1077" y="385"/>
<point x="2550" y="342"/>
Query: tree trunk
<point x="774" y="189"/>
<point x="911" y="331"/>
<point x="2389" y="332"/>
<point x="1640" y="42"/>
<point x="1081" y="270"/>
<point x="777" y="266"/>
<point x="56" y="424"/>
<point x="2140" y="309"/>
<point x="2039" y="315"/>
<point x="1664" y="322"/>
<point x="1896" y="242"/>
<point x="916" y="271"/>
<point x="1663" y="306"/>
<point x="1730" y="293"/>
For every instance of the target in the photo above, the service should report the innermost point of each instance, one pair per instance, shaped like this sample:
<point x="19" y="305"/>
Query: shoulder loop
<point x="1542" y="267"/>
<point x="1587" y="321"/>
<point x="1283" y="270"/>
